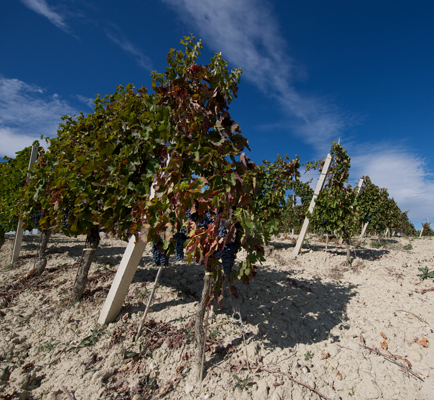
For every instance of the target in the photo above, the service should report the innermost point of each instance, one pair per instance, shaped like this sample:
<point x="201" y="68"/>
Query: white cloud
<point x="403" y="174"/>
<point x="117" y="37"/>
<point x="86" y="100"/>
<point x="247" y="33"/>
<point x="26" y="113"/>
<point x="41" y="7"/>
<point x="11" y="142"/>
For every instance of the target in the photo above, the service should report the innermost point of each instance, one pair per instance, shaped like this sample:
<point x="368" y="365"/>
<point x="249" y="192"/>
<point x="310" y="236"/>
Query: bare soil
<point x="349" y="332"/>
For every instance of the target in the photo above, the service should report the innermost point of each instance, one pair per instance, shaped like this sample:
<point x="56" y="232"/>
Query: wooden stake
<point x="306" y="222"/>
<point x="360" y="184"/>
<point x="124" y="276"/>
<point x="19" y="231"/>
<point x="364" y="230"/>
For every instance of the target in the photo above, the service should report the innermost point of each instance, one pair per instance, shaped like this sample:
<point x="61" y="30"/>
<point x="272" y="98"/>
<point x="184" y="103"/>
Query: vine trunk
<point x="198" y="327"/>
<point x="42" y="260"/>
<point x="80" y="283"/>
<point x="2" y="237"/>
<point x="348" y="247"/>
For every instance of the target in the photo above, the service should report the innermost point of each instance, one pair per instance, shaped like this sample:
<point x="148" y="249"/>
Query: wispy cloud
<point x="118" y="37"/>
<point x="247" y="32"/>
<point x="41" y="7"/>
<point x="26" y="113"/>
<point x="402" y="173"/>
<point x="86" y="100"/>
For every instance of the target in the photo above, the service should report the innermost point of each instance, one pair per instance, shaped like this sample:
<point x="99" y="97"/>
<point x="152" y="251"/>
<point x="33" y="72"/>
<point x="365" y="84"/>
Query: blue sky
<point x="313" y="72"/>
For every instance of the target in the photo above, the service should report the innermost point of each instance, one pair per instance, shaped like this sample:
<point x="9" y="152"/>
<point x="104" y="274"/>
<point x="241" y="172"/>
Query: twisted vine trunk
<point x="42" y="261"/>
<point x="348" y="246"/>
<point x="2" y="237"/>
<point x="81" y="281"/>
<point x="198" y="327"/>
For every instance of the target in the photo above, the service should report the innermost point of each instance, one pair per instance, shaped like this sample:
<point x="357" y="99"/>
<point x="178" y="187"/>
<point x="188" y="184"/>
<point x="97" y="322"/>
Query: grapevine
<point x="336" y="208"/>
<point x="208" y="181"/>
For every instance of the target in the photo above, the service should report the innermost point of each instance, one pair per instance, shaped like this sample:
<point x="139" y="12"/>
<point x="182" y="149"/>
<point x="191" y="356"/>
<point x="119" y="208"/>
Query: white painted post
<point x="19" y="231"/>
<point x="318" y="188"/>
<point x="124" y="276"/>
<point x="421" y="231"/>
<point x="387" y="232"/>
<point x="360" y="185"/>
<point x="364" y="229"/>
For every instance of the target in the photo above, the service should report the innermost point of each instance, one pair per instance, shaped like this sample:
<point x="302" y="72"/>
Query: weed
<point x="426" y="273"/>
<point x="408" y="247"/>
<point x="308" y="356"/>
<point x="93" y="337"/>
<point x="188" y="332"/>
<point x="144" y="294"/>
<point x="143" y="351"/>
<point x="377" y="245"/>
<point x="213" y="333"/>
<point x="8" y="267"/>
<point x="47" y="346"/>
<point x="351" y="394"/>
<point x="23" y="319"/>
<point x="91" y="340"/>
<point x="242" y="384"/>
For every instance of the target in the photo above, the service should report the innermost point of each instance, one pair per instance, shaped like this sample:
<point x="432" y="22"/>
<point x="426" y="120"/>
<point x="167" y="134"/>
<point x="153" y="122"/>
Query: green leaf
<point x="109" y="149"/>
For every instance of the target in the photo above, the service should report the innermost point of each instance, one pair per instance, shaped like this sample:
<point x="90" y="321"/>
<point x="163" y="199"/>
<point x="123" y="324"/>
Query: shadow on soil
<point x="287" y="311"/>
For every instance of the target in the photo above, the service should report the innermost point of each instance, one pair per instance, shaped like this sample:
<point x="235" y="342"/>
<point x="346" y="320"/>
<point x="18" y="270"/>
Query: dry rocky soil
<point x="359" y="332"/>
